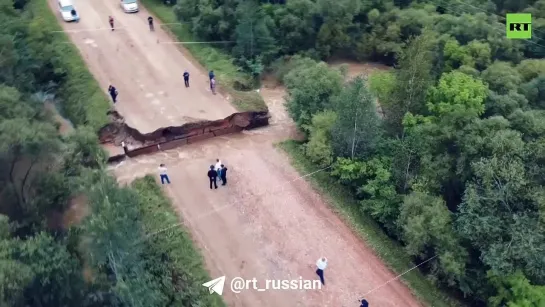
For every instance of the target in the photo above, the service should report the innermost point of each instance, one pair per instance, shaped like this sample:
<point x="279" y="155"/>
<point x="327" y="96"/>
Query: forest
<point x="51" y="255"/>
<point x="445" y="151"/>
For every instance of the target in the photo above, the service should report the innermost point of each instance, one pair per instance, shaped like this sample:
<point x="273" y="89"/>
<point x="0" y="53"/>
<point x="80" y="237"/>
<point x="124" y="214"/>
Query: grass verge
<point x="174" y="246"/>
<point x="228" y="74"/>
<point x="346" y="206"/>
<point x="81" y="98"/>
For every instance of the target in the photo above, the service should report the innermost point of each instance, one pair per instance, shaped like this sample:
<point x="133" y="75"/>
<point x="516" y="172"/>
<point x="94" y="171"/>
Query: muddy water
<point x="65" y="125"/>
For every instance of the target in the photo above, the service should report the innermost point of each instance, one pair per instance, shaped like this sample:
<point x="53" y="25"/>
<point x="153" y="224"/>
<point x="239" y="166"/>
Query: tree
<point x="413" y="78"/>
<point x="427" y="229"/>
<point x="531" y="68"/>
<point x="502" y="77"/>
<point x="310" y="90"/>
<point x="336" y="17"/>
<point x="498" y="216"/>
<point x="457" y="93"/>
<point x="358" y="129"/>
<point x="252" y="35"/>
<point x="318" y="148"/>
<point x="28" y="147"/>
<point x="534" y="91"/>
<point x="516" y="291"/>
<point x="114" y="243"/>
<point x="295" y="29"/>
<point x="372" y="182"/>
<point x="40" y="272"/>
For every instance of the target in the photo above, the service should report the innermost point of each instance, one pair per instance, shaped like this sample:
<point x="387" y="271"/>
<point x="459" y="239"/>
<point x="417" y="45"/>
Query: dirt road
<point x="267" y="223"/>
<point x="144" y="67"/>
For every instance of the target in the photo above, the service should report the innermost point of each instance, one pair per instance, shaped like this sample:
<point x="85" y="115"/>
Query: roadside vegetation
<point x="111" y="252"/>
<point x="452" y="167"/>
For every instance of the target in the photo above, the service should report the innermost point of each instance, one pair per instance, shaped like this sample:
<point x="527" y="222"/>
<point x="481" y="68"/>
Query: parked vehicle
<point x="68" y="11"/>
<point x="129" y="6"/>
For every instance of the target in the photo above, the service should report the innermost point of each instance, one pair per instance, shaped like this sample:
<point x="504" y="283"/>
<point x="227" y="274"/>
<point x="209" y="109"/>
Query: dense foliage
<point x="450" y="162"/>
<point x="262" y="30"/>
<point x="46" y="257"/>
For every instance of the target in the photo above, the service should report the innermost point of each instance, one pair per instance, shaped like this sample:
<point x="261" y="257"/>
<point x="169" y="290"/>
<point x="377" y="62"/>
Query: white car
<point x="68" y="11"/>
<point x="129" y="6"/>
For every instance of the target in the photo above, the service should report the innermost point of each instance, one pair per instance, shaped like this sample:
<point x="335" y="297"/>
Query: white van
<point x="129" y="6"/>
<point x="68" y="11"/>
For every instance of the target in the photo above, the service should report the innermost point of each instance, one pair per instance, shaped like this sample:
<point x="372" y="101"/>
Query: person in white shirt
<point x="163" y="174"/>
<point x="321" y="264"/>
<point x="217" y="167"/>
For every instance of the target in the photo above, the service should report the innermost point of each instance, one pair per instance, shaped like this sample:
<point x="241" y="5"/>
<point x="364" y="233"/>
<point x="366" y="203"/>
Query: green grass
<point x="184" y="259"/>
<point x="346" y="206"/>
<point x="82" y="99"/>
<point x="228" y="74"/>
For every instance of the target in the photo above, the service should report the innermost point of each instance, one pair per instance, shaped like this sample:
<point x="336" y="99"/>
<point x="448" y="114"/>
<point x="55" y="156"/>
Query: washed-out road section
<point x="146" y="67"/>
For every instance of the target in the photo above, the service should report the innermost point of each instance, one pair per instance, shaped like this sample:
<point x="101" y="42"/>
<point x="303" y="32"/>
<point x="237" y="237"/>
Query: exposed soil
<point x="145" y="67"/>
<point x="355" y="69"/>
<point x="265" y="223"/>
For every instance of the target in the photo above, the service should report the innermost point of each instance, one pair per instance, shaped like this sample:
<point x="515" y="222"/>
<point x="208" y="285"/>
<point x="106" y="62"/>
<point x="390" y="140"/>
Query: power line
<point x="210" y="42"/>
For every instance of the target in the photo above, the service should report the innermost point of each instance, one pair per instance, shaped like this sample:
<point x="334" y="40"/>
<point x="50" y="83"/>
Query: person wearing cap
<point x="186" y="78"/>
<point x="321" y="264"/>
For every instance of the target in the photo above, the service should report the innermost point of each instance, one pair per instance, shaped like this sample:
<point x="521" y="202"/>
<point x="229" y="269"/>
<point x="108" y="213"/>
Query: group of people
<point x="113" y="91"/>
<point x="216" y="171"/>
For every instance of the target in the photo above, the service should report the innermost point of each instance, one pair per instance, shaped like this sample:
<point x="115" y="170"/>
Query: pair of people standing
<point x="218" y="170"/>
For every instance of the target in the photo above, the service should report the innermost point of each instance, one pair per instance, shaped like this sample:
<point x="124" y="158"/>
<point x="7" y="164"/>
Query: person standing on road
<point x="111" y="21"/>
<point x="223" y="174"/>
<point x="212" y="175"/>
<point x="211" y="75"/>
<point x="186" y="78"/>
<point x="113" y="92"/>
<point x="321" y="264"/>
<point x="364" y="303"/>
<point x="150" y="22"/>
<point x="163" y="174"/>
<point x="213" y="86"/>
<point x="218" y="167"/>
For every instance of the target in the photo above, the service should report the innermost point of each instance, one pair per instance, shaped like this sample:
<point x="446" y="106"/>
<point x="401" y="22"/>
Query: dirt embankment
<point x="113" y="134"/>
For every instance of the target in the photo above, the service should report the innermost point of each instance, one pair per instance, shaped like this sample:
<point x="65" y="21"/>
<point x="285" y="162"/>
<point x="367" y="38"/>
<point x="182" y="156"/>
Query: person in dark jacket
<point x="150" y="22"/>
<point x="364" y="303"/>
<point x="186" y="78"/>
<point x="211" y="75"/>
<point x="223" y="175"/>
<point x="212" y="175"/>
<point x="111" y="21"/>
<point x="113" y="92"/>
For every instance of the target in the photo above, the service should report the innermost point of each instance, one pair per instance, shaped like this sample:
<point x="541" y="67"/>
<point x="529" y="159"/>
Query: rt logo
<point x="519" y="26"/>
